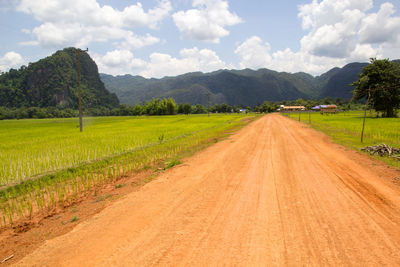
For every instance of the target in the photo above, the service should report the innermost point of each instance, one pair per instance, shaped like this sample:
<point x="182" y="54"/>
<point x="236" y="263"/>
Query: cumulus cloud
<point x="289" y="61"/>
<point x="254" y="53"/>
<point x="329" y="12"/>
<point x="347" y="28"/>
<point x="334" y="40"/>
<point x="362" y="52"/>
<point x="332" y="25"/>
<point x="119" y="62"/>
<point x="380" y="27"/>
<point x="77" y="22"/>
<point x="207" y="21"/>
<point x="337" y="32"/>
<point x="10" y="60"/>
<point x="190" y="60"/>
<point x="159" y="64"/>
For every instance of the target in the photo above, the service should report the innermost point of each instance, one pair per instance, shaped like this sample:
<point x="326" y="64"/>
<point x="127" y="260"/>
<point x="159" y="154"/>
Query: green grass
<point x="345" y="128"/>
<point x="34" y="147"/>
<point x="47" y="162"/>
<point x="171" y="163"/>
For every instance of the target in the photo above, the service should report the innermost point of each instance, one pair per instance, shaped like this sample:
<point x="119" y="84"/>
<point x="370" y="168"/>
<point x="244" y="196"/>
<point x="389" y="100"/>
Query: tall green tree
<point x="379" y="82"/>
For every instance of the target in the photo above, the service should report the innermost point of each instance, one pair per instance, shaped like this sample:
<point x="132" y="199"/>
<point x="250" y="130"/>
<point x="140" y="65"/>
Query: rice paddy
<point x="45" y="163"/>
<point x="345" y="128"/>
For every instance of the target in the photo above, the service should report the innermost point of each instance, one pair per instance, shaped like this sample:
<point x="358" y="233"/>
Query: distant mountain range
<point x="236" y="87"/>
<point x="53" y="82"/>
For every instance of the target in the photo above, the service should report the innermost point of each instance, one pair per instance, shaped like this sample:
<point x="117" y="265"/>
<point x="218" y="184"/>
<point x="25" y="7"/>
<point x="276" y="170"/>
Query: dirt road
<point x="275" y="193"/>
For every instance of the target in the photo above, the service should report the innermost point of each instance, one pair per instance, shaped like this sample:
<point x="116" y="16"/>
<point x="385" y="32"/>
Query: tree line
<point x="166" y="106"/>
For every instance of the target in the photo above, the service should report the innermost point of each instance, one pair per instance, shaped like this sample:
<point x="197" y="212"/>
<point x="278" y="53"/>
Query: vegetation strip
<point x="345" y="128"/>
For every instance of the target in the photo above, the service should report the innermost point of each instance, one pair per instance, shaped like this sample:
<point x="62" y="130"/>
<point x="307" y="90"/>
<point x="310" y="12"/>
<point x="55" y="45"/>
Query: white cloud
<point x="253" y="53"/>
<point x="10" y="60"/>
<point x="332" y="25"/>
<point x="159" y="65"/>
<point x="134" y="41"/>
<point x="380" y="27"/>
<point x="207" y="21"/>
<point x="338" y="32"/>
<point x="78" y="23"/>
<point x="344" y="29"/>
<point x="328" y="12"/>
<point x="362" y="52"/>
<point x="389" y="49"/>
<point x="134" y="15"/>
<point x="190" y="60"/>
<point x="302" y="61"/>
<point x="256" y="54"/>
<point x="119" y="62"/>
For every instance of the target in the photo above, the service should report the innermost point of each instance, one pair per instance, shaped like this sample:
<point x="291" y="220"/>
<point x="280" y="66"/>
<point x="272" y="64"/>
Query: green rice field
<point x="48" y="161"/>
<point x="345" y="128"/>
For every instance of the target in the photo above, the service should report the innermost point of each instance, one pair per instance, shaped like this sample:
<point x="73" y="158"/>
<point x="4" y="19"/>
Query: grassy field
<point x="345" y="128"/>
<point x="46" y="162"/>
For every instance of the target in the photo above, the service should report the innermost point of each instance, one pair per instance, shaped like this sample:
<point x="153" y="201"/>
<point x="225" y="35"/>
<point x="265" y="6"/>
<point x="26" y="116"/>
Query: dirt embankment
<point x="275" y="193"/>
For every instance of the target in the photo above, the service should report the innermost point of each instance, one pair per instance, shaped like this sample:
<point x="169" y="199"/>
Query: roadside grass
<point x="102" y="198"/>
<point x="171" y="163"/>
<point x="122" y="145"/>
<point x="345" y="128"/>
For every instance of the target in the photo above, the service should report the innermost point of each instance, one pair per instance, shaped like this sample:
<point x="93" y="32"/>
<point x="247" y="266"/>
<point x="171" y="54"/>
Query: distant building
<point x="316" y="108"/>
<point x="328" y="109"/>
<point x="291" y="108"/>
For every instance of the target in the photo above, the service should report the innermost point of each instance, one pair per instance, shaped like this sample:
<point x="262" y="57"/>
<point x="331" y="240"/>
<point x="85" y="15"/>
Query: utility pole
<point x="78" y="58"/>
<point x="208" y="108"/>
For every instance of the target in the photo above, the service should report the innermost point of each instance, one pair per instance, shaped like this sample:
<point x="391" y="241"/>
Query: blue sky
<point x="157" y="38"/>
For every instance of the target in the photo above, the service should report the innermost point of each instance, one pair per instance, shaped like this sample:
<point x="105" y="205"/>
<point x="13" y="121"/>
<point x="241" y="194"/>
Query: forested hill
<point x="53" y="81"/>
<point x="339" y="83"/>
<point x="236" y="87"/>
<point x="245" y="87"/>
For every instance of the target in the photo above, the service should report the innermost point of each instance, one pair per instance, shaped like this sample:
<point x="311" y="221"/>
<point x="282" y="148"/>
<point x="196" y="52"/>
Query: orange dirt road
<point x="276" y="193"/>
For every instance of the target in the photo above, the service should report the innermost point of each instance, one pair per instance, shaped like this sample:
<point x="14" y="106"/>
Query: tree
<point x="379" y="82"/>
<point x="170" y="106"/>
<point x="198" y="109"/>
<point x="185" y="108"/>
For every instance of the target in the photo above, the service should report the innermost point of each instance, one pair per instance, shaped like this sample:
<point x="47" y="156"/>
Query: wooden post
<point x="299" y="114"/>
<point x="208" y="104"/>
<point x="309" y="116"/>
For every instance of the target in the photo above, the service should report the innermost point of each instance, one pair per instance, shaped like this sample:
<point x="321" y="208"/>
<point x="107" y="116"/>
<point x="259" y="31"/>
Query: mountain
<point x="53" y="81"/>
<point x="338" y="84"/>
<point x="236" y="87"/>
